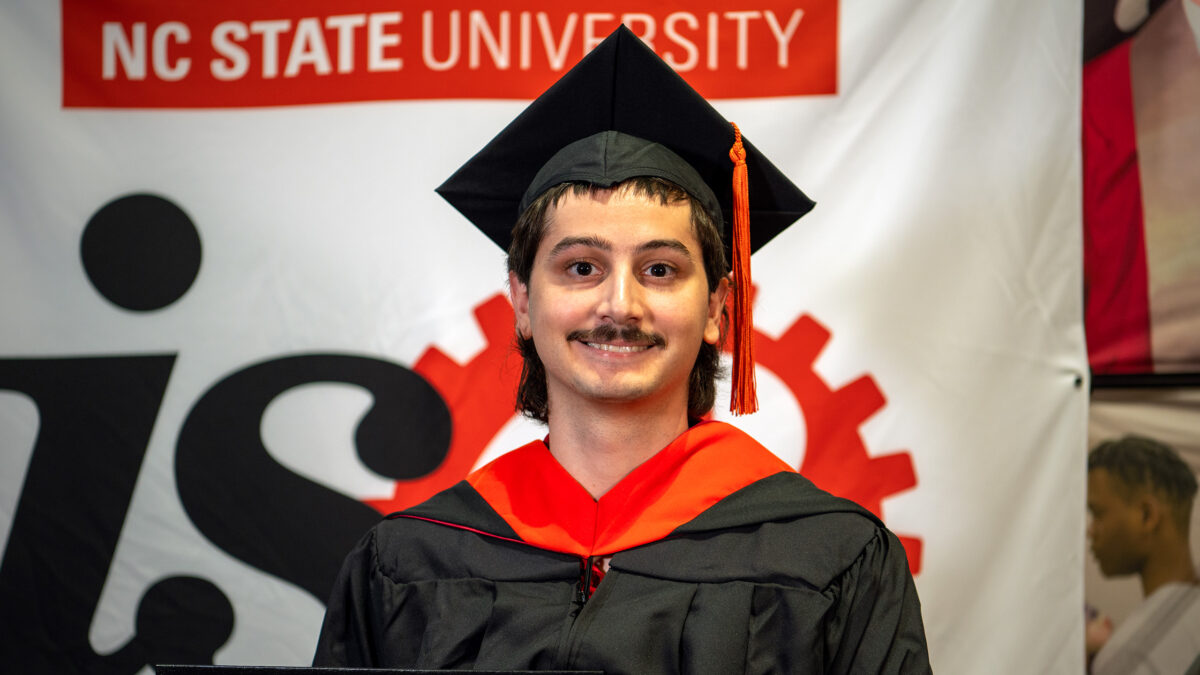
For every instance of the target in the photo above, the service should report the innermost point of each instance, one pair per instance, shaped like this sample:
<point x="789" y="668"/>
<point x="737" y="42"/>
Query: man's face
<point x="1116" y="528"/>
<point x="617" y="301"/>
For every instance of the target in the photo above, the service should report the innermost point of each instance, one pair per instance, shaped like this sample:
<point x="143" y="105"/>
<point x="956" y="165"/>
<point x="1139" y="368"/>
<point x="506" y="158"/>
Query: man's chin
<point x="617" y="391"/>
<point x="1111" y="569"/>
<point x="618" y="394"/>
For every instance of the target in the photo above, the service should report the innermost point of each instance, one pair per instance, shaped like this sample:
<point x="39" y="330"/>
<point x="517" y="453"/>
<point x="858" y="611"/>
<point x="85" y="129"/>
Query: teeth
<point x="618" y="348"/>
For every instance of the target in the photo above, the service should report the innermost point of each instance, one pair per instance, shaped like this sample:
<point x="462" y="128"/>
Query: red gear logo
<point x="479" y="394"/>
<point x="835" y="457"/>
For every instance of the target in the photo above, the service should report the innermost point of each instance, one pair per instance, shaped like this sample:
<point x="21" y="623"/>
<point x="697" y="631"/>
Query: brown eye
<point x="583" y="269"/>
<point x="659" y="270"/>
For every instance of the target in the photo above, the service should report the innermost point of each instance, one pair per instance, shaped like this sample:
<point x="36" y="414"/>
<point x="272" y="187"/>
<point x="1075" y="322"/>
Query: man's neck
<point x="599" y="444"/>
<point x="1171" y="564"/>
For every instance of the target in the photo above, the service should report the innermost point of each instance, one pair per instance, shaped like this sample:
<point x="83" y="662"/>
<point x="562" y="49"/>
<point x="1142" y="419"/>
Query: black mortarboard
<point x="622" y="85"/>
<point x="664" y="129"/>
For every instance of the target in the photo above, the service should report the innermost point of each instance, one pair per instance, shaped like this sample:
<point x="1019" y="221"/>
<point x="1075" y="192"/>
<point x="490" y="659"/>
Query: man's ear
<point x="1152" y="511"/>
<point x="716" y="311"/>
<point x="518" y="295"/>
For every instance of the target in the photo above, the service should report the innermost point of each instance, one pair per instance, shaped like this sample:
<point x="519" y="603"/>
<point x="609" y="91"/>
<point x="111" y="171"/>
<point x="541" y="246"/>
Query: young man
<point x="1140" y="496"/>
<point x="636" y="537"/>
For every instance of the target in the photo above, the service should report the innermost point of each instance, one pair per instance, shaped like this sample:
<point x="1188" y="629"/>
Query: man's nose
<point x="623" y="301"/>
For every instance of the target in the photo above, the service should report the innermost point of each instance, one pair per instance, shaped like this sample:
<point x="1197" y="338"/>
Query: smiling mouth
<point x="620" y="349"/>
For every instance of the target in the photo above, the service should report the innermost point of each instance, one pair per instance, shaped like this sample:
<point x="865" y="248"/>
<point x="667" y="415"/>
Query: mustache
<point x="609" y="333"/>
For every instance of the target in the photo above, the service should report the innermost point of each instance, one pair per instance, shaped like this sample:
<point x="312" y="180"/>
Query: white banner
<point x="234" y="332"/>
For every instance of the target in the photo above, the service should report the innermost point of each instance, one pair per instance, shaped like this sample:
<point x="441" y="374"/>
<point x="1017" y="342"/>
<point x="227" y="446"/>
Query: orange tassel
<point x="743" y="398"/>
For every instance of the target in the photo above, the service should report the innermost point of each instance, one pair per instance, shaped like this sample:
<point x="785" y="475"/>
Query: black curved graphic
<point x="257" y="510"/>
<point x="95" y="417"/>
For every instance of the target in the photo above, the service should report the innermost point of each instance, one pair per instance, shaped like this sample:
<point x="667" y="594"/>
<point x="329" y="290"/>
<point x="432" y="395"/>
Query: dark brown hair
<point x="532" y="398"/>
<point x="1143" y="463"/>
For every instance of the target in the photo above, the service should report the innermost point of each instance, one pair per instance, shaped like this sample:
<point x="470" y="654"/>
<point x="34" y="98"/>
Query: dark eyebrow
<point x="606" y="245"/>
<point x="590" y="242"/>
<point x="673" y="244"/>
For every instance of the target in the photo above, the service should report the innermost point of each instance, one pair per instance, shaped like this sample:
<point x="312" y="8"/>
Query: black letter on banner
<point x="260" y="512"/>
<point x="95" y="418"/>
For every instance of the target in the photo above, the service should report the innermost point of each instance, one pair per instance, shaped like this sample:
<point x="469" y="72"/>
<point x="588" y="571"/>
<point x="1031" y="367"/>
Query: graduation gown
<point x="723" y="560"/>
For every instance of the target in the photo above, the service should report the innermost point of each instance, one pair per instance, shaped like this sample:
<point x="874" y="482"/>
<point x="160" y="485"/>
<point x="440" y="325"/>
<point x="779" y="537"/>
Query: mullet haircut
<point x="527" y="235"/>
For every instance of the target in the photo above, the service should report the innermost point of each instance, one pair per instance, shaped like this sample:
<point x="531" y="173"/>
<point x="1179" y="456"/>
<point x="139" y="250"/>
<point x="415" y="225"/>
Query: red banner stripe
<point x="142" y="54"/>
<point x="1116" y="282"/>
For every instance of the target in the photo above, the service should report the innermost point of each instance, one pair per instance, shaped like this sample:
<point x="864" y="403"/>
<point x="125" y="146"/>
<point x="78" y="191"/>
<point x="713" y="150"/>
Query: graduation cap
<point x="622" y="112"/>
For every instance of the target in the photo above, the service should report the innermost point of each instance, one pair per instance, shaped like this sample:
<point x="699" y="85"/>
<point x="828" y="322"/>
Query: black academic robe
<point x="746" y="569"/>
